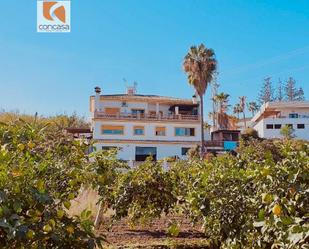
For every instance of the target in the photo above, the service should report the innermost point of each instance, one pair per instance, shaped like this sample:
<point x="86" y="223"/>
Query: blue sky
<point x="145" y="41"/>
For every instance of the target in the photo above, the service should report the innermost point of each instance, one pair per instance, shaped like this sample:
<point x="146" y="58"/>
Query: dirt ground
<point x="153" y="235"/>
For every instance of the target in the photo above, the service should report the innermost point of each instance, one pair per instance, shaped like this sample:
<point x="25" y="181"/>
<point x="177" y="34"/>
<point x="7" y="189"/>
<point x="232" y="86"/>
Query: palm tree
<point x="242" y="104"/>
<point x="223" y="100"/>
<point x="253" y="107"/>
<point x="200" y="65"/>
<point x="237" y="110"/>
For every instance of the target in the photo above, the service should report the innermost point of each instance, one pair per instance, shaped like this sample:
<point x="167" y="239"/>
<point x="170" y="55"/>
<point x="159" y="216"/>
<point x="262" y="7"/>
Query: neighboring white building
<point x="140" y="125"/>
<point x="273" y="115"/>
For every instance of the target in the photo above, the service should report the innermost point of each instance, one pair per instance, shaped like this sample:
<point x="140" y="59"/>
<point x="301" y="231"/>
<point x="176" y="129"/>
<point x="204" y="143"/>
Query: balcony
<point x="146" y="117"/>
<point x="214" y="143"/>
<point x="225" y="145"/>
<point x="296" y="117"/>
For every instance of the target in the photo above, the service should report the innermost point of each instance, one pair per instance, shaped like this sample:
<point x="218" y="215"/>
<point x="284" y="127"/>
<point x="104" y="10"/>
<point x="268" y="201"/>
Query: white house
<point x="274" y="115"/>
<point x="142" y="125"/>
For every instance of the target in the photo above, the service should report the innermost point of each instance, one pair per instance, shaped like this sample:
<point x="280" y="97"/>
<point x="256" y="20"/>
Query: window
<point x="290" y="125"/>
<point x="109" y="148"/>
<point x="136" y="112"/>
<point x="293" y="115"/>
<point x="138" y="130"/>
<point x="141" y="153"/>
<point x="277" y="126"/>
<point x="184" y="131"/>
<point x="160" y="131"/>
<point x="184" y="151"/>
<point x="112" y="130"/>
<point x="269" y="126"/>
<point x="300" y="126"/>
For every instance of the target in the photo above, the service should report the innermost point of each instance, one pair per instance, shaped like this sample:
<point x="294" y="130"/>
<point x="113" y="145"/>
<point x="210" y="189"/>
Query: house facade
<point x="274" y="115"/>
<point x="142" y="125"/>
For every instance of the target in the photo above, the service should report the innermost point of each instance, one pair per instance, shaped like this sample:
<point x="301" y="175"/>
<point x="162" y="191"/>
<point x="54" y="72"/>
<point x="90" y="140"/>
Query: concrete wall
<point x="275" y="133"/>
<point x="149" y="131"/>
<point x="127" y="151"/>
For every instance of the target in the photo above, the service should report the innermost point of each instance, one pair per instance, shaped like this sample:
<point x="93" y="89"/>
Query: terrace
<point x="147" y="117"/>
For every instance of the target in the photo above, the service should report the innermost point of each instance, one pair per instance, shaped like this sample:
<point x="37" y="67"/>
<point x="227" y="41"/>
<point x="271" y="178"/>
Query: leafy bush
<point x="287" y="131"/>
<point x="250" y="133"/>
<point x="257" y="199"/>
<point x="41" y="171"/>
<point x="141" y="193"/>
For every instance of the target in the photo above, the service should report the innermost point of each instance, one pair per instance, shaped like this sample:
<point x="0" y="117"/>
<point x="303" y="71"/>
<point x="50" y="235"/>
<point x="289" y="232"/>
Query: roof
<point x="145" y="98"/>
<point x="272" y="108"/>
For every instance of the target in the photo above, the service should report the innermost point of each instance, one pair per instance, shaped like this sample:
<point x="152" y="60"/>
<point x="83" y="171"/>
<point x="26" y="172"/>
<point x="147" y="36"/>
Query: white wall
<point x="275" y="133"/>
<point x="149" y="131"/>
<point x="127" y="151"/>
<point x="260" y="128"/>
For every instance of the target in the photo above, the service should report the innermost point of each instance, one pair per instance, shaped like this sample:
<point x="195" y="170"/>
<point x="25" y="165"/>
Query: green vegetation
<point x="287" y="131"/>
<point x="57" y="122"/>
<point x="41" y="171"/>
<point x="257" y="199"/>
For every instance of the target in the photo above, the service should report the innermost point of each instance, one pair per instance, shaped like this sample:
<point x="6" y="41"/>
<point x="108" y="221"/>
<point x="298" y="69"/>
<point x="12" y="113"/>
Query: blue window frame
<point x="179" y="131"/>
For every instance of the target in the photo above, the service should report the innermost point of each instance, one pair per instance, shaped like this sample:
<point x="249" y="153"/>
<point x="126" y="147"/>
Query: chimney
<point x="97" y="90"/>
<point x="97" y="98"/>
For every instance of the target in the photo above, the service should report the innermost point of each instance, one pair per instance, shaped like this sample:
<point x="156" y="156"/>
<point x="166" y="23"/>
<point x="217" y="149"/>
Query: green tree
<point x="200" y="65"/>
<point x="287" y="131"/>
<point x="300" y="95"/>
<point x="222" y="99"/>
<point x="253" y="107"/>
<point x="290" y="90"/>
<point x="242" y="105"/>
<point x="267" y="92"/>
<point x="280" y="94"/>
<point x="237" y="110"/>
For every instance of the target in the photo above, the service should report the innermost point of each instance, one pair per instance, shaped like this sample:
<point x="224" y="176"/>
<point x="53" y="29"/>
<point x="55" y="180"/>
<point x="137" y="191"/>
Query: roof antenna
<point x="125" y="82"/>
<point x="135" y="86"/>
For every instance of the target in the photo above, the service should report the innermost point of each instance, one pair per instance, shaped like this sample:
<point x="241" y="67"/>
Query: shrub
<point x="287" y="132"/>
<point x="257" y="199"/>
<point x="141" y="193"/>
<point x="41" y="171"/>
<point x="250" y="133"/>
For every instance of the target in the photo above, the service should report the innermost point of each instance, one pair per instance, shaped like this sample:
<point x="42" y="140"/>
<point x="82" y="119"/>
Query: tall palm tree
<point x="200" y="65"/>
<point x="242" y="104"/>
<point x="253" y="107"/>
<point x="237" y="110"/>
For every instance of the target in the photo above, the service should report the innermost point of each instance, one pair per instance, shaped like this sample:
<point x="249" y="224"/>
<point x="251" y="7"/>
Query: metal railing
<point x="128" y="116"/>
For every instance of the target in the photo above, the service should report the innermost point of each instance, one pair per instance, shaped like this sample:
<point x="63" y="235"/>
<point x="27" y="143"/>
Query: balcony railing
<point x="299" y="117"/>
<point x="214" y="143"/>
<point x="218" y="143"/>
<point x="154" y="117"/>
